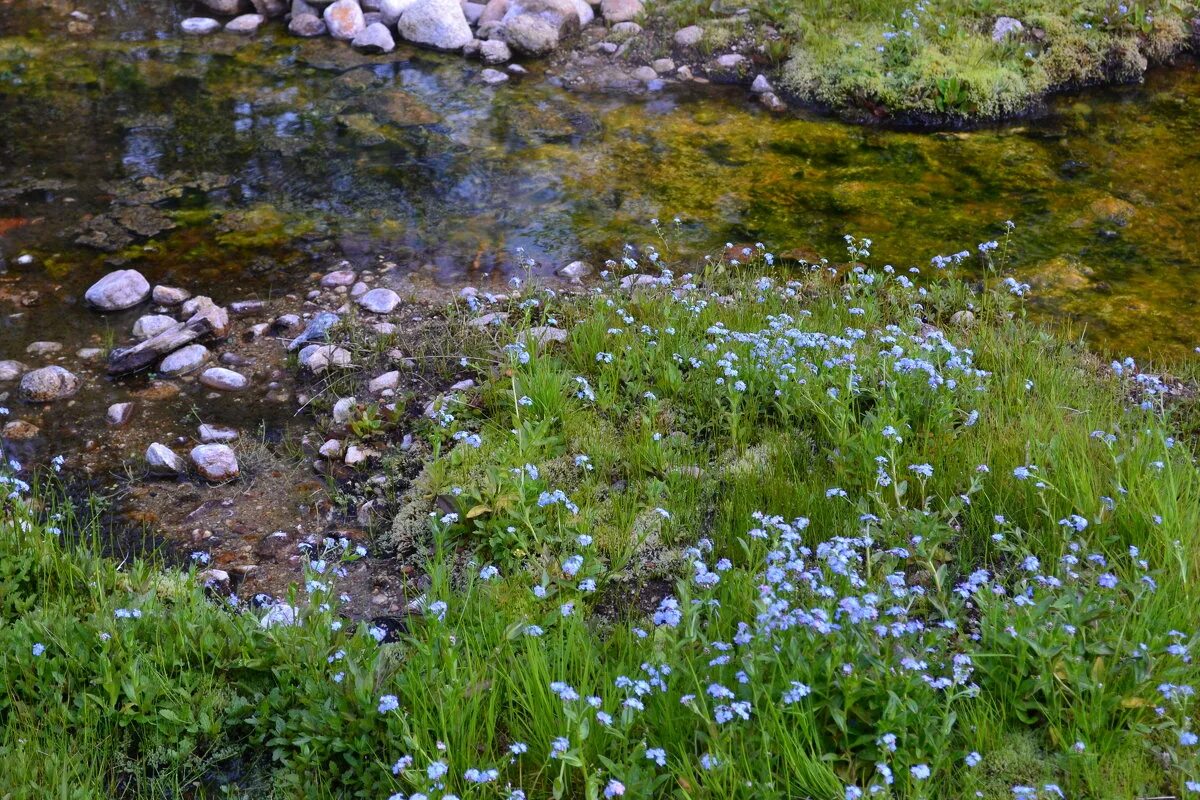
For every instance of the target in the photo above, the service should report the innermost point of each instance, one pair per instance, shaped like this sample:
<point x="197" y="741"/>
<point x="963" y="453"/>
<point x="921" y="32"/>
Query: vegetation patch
<point x="758" y="530"/>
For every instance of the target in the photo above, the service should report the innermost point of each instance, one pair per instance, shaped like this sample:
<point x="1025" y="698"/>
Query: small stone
<point x="463" y="386"/>
<point x="1005" y="27"/>
<point x="439" y="24"/>
<point x="119" y="414"/>
<point x="216" y="462"/>
<point x="325" y="357"/>
<point x="331" y="449"/>
<point x="184" y="360"/>
<point x="663" y="65"/>
<point x="341" y="277"/>
<point x="199" y="26"/>
<point x="963" y="319"/>
<point x="169" y="295"/>
<point x="307" y="26"/>
<point x="20" y="431"/>
<point x="374" y="38"/>
<point x="152" y="325"/>
<point x="493" y="318"/>
<point x="10" y="370"/>
<point x="43" y="348"/>
<point x="492" y="76"/>
<point x="223" y="380"/>
<point x="473" y="11"/>
<point x="118" y="290"/>
<point x="645" y="74"/>
<point x="356" y="455"/>
<point x="625" y="30"/>
<point x="684" y="73"/>
<point x="543" y="335"/>
<point x="620" y="10"/>
<point x="359" y="289"/>
<point x="163" y="461"/>
<point x="761" y="85"/>
<point x="245" y="24"/>
<point x="343" y="410"/>
<point x="48" y="384"/>
<point x="494" y="51"/>
<point x="385" y="382"/>
<point x="89" y="353"/>
<point x="244" y="308"/>
<point x="216" y="580"/>
<point x="730" y="60"/>
<point x="772" y="102"/>
<point x="217" y="433"/>
<point x="576" y="270"/>
<point x="380" y="301"/>
<point x="344" y="19"/>
<point x="689" y="36"/>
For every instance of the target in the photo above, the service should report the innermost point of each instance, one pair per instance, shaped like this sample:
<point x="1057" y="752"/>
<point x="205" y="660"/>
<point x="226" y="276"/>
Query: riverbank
<point x="874" y="518"/>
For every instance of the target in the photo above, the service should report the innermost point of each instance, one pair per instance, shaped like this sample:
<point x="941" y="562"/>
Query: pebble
<point x="19" y="431"/>
<point x="380" y="301"/>
<point x="199" y="26"/>
<point x="355" y="455"/>
<point x="48" y="384"/>
<point x="184" y="360"/>
<point x="216" y="462"/>
<point x="43" y="348"/>
<point x="492" y="76"/>
<point x="663" y="65"/>
<point x="761" y="85"/>
<point x="118" y="290"/>
<point x="343" y="410"/>
<point x="331" y="449"/>
<point x="242" y="308"/>
<point x="341" y="277"/>
<point x="388" y="381"/>
<point x="169" y="295"/>
<point x="119" y="414"/>
<point x="223" y="380"/>
<point x="326" y="356"/>
<point x="217" y="433"/>
<point x="163" y="461"/>
<point x="689" y="36"/>
<point x="10" y="370"/>
<point x="151" y="325"/>
<point x="245" y="24"/>
<point x="730" y="60"/>
<point x="576" y="270"/>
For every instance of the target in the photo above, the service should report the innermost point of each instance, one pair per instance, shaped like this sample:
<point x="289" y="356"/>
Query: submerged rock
<point x="20" y="431"/>
<point x="48" y="384"/>
<point x="118" y="290"/>
<point x="215" y="462"/>
<point x="10" y="370"/>
<point x="492" y="76"/>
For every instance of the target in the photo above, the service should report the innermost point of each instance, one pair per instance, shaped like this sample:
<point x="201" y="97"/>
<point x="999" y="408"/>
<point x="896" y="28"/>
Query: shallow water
<point x="242" y="166"/>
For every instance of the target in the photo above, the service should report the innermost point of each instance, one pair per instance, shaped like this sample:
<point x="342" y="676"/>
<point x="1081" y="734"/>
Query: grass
<point x="763" y="530"/>
<point x="937" y="60"/>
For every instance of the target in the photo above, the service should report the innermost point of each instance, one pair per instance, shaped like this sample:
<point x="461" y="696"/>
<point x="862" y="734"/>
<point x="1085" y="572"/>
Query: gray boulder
<point x="379" y="301"/>
<point x="439" y="24"/>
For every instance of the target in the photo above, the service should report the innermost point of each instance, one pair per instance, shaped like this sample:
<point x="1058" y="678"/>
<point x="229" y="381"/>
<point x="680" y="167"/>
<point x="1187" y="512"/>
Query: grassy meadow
<point x="749" y="529"/>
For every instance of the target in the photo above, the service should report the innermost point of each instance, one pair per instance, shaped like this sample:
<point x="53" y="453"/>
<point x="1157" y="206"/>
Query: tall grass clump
<point x="832" y="531"/>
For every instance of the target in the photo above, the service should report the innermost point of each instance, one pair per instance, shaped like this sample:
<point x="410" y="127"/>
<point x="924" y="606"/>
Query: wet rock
<point x="43" y="348"/>
<point x="316" y="330"/>
<point x="152" y="325"/>
<point x="119" y="414"/>
<point x="439" y="24"/>
<point x="1112" y="210"/>
<point x="48" y="384"/>
<point x="215" y="462"/>
<point x="379" y="301"/>
<point x="163" y="461"/>
<point x="10" y="370"/>
<point x="1005" y="27"/>
<point x="344" y="18"/>
<point x="576" y="270"/>
<point x="216" y="433"/>
<point x="89" y="353"/>
<point x="223" y="380"/>
<point x="689" y="36"/>
<point x="157" y="391"/>
<point x="388" y="381"/>
<point x="772" y="102"/>
<point x="620" y="10"/>
<point x="375" y="38"/>
<point x="20" y="431"/>
<point x="169" y="295"/>
<point x="199" y="26"/>
<point x="326" y="357"/>
<point x="184" y="360"/>
<point x="761" y="85"/>
<point x="231" y="359"/>
<point x="118" y="290"/>
<point x="307" y="26"/>
<point x="492" y="76"/>
<point x="213" y="315"/>
<point x="246" y="24"/>
<point x="494" y="51"/>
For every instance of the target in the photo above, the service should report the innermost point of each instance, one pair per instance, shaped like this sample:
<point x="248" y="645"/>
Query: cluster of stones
<point x="491" y="31"/>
